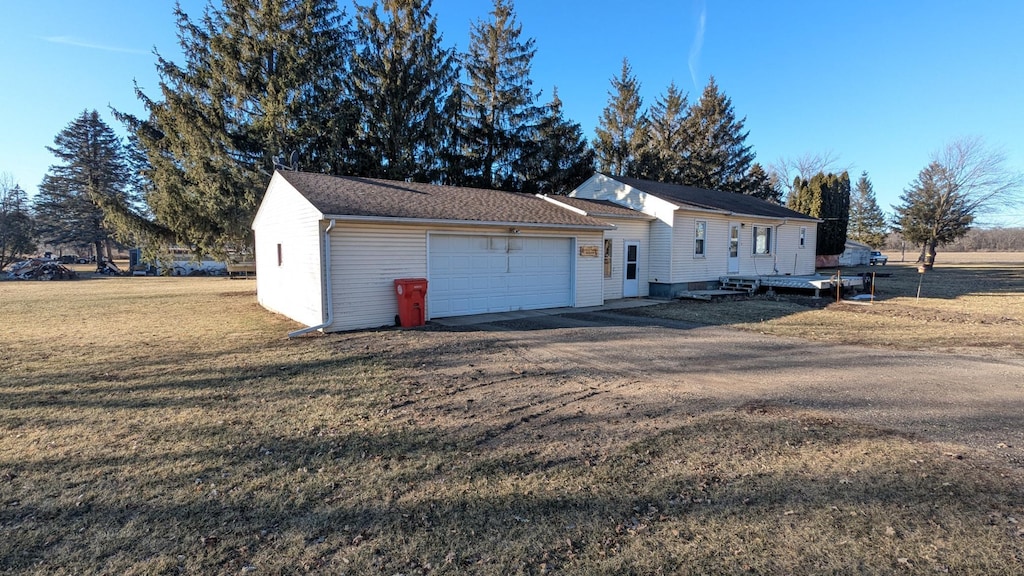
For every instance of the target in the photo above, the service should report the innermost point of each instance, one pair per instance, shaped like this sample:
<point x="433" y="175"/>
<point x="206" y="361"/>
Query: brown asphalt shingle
<point x="351" y="196"/>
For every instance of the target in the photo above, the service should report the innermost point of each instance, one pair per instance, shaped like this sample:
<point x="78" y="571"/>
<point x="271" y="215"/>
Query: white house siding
<point x="366" y="258"/>
<point x="795" y="260"/>
<point x="687" y="267"/>
<point x="786" y="256"/>
<point x="292" y="287"/>
<point x="627" y="230"/>
<point x="589" y="270"/>
<point x="660" y="257"/>
<point x="365" y="261"/>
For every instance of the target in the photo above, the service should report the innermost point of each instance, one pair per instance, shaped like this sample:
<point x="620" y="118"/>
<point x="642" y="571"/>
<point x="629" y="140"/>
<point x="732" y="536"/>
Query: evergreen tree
<point x="663" y="155"/>
<point x="259" y="79"/>
<point x="559" y="158"/>
<point x="401" y="79"/>
<point x="825" y="196"/>
<point x="91" y="173"/>
<point x="617" y="144"/>
<point x="16" y="225"/>
<point x="499" y="111"/>
<point x="932" y="212"/>
<point x="717" y="157"/>
<point x="451" y="165"/>
<point x="964" y="179"/>
<point x="867" y="222"/>
<point x="763" y="185"/>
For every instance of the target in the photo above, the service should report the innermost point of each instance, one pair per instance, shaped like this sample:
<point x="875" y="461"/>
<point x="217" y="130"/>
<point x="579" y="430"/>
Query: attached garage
<point x="477" y="274"/>
<point x="328" y="250"/>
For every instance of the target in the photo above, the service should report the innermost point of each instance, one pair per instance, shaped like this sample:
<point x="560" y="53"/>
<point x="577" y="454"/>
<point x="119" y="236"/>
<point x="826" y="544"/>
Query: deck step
<point x="748" y="285"/>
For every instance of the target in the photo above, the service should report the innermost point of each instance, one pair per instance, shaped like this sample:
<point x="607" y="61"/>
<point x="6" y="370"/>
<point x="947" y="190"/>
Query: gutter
<point x="327" y="286"/>
<point x="441" y="222"/>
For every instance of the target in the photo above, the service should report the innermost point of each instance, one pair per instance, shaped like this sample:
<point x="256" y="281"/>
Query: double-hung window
<point x="762" y="240"/>
<point x="700" y="238"/>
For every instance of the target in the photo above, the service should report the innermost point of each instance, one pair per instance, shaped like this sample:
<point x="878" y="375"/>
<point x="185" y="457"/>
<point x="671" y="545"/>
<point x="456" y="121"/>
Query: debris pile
<point x="40" y="269"/>
<point x="109" y="268"/>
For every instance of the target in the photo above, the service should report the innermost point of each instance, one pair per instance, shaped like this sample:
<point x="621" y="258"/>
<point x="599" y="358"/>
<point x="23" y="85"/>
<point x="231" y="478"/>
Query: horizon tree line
<point x="379" y="95"/>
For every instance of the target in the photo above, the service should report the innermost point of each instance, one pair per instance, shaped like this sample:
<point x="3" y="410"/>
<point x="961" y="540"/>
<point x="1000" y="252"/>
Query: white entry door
<point x="734" y="248"/>
<point x="631" y="276"/>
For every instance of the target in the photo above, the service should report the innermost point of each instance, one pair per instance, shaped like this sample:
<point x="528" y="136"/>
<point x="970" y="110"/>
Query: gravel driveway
<point x="611" y="375"/>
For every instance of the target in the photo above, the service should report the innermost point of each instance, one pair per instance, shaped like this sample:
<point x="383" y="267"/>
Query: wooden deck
<point x="816" y="282"/>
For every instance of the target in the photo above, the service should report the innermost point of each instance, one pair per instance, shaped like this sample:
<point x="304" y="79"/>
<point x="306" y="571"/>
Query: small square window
<point x="279" y="260"/>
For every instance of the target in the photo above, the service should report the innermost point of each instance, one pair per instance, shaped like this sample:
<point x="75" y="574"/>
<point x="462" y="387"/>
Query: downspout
<point x="327" y="286"/>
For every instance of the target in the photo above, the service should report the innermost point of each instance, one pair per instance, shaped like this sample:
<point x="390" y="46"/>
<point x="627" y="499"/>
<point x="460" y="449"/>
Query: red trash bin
<point x="411" y="294"/>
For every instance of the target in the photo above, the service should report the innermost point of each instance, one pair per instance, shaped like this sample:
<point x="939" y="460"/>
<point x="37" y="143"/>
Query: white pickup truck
<point x="878" y="258"/>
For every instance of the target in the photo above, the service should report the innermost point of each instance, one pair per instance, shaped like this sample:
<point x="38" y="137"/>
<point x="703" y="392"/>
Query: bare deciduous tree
<point x="785" y="170"/>
<point x="965" y="179"/>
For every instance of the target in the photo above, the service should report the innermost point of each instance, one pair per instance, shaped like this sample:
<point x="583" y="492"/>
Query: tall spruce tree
<point x="91" y="172"/>
<point x="867" y="222"/>
<point x="825" y="196"/>
<point x="763" y="185"/>
<point x="663" y="155"/>
<point x="717" y="157"/>
<point x="259" y="79"/>
<point x="16" y="224"/>
<point x="401" y="79"/>
<point x="617" y="141"/>
<point x="499" y="112"/>
<point x="559" y="158"/>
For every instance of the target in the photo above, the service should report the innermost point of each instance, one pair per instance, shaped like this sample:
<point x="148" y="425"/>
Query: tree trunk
<point x="929" y="255"/>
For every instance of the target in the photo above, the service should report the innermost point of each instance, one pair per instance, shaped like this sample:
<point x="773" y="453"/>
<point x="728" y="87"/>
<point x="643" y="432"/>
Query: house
<point x="855" y="254"/>
<point x="698" y="236"/>
<point x="329" y="248"/>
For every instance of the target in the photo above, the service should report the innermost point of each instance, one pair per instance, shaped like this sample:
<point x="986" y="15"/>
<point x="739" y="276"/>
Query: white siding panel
<point x="365" y="261"/>
<point x="661" y="252"/>
<point x="292" y="287"/>
<point x="688" y="267"/>
<point x="367" y="258"/>
<point x="792" y="258"/>
<point x="589" y="279"/>
<point x="627" y="231"/>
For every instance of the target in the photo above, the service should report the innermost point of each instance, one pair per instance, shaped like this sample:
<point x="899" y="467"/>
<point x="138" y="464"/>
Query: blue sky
<point x="879" y="85"/>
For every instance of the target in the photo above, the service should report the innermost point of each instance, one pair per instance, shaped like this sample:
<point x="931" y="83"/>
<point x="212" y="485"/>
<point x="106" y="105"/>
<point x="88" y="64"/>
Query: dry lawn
<point x="975" y="307"/>
<point x="165" y="426"/>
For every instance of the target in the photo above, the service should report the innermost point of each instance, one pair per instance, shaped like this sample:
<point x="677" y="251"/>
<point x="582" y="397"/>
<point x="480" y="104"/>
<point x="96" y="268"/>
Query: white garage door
<point x="480" y="274"/>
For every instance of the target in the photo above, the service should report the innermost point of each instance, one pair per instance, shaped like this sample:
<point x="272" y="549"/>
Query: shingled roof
<point x="339" y="196"/>
<point x="711" y="199"/>
<point x="601" y="208"/>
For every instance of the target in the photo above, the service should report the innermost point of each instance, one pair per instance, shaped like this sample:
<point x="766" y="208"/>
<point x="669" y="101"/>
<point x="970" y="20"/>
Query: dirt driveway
<point x="589" y="382"/>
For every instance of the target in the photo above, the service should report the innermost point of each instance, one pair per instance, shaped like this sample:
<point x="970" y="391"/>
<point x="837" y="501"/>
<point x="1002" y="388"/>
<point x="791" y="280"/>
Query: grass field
<point x="975" y="306"/>
<point x="165" y="426"/>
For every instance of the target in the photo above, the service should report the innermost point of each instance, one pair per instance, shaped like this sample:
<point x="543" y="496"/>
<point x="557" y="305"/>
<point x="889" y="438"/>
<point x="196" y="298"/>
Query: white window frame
<point x="700" y="238"/>
<point x="803" y="236"/>
<point x="767" y="233"/>
<point x="608" y="257"/>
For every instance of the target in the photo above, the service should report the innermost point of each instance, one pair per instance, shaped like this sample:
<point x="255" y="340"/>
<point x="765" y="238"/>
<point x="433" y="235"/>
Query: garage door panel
<point x="479" y="274"/>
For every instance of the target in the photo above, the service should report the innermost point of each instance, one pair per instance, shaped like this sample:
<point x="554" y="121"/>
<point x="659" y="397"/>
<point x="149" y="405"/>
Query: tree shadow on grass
<point x="772" y="489"/>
